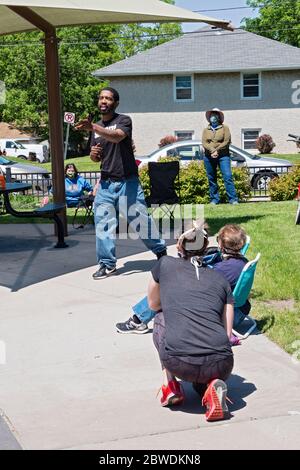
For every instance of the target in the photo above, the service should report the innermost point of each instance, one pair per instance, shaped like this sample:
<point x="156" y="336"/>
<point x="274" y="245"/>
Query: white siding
<point x="150" y="102"/>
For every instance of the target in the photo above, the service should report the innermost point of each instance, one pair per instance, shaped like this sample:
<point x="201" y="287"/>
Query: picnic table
<point x="48" y="211"/>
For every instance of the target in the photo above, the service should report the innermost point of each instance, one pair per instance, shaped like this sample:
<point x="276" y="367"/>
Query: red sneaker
<point x="215" y="400"/>
<point x="172" y="394"/>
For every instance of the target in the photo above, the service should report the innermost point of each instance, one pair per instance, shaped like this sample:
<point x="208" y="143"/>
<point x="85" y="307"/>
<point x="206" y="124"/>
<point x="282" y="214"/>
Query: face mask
<point x="214" y="120"/>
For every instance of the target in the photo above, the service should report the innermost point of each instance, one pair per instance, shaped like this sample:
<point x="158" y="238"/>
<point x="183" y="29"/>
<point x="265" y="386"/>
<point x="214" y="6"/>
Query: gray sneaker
<point x="130" y="326"/>
<point x="104" y="272"/>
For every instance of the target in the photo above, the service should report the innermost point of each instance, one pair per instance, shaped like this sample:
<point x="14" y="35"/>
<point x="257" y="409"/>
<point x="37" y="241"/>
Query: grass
<point x="292" y="157"/>
<point x="85" y="163"/>
<point x="82" y="163"/>
<point x="275" y="297"/>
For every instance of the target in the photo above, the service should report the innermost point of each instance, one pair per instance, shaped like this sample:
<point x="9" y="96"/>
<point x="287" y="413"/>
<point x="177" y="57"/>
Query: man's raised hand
<point x="96" y="153"/>
<point x="84" y="125"/>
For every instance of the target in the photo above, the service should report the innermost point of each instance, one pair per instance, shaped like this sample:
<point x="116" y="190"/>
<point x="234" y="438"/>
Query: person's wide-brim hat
<point x="214" y="110"/>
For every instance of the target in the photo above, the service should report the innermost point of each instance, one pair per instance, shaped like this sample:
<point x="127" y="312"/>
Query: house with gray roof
<point x="167" y="89"/>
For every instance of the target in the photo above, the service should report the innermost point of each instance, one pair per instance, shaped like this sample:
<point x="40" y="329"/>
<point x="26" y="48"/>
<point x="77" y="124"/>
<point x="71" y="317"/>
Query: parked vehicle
<point x="262" y="169"/>
<point x="36" y="145"/>
<point x="16" y="148"/>
<point x="37" y="176"/>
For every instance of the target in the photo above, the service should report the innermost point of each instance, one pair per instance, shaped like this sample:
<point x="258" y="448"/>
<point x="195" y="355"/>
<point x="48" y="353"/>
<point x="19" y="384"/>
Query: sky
<point x="234" y="15"/>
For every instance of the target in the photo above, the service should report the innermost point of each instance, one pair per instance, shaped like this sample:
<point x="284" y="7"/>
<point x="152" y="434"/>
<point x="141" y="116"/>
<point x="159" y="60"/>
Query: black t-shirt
<point x="193" y="309"/>
<point x="118" y="160"/>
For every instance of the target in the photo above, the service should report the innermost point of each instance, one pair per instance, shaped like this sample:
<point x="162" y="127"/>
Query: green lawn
<point x="85" y="163"/>
<point x="292" y="157"/>
<point x="276" y="293"/>
<point x="82" y="163"/>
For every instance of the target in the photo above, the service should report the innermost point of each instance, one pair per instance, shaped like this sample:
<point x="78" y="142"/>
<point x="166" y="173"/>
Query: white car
<point x="262" y="169"/>
<point x="23" y="172"/>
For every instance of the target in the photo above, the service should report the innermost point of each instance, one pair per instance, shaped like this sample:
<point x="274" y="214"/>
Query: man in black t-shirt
<point x="119" y="189"/>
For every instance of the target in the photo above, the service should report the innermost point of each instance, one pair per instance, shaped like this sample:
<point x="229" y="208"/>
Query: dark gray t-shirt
<point x="118" y="160"/>
<point x="193" y="309"/>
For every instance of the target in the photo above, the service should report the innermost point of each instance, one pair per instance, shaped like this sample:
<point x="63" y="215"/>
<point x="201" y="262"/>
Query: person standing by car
<point x="216" y="139"/>
<point x="111" y="144"/>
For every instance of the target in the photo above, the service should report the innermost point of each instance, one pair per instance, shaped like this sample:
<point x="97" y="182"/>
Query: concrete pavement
<point x="71" y="382"/>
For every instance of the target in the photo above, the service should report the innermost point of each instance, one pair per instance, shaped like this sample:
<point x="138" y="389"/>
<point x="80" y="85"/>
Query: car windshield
<point x="4" y="161"/>
<point x="245" y="153"/>
<point x="19" y="145"/>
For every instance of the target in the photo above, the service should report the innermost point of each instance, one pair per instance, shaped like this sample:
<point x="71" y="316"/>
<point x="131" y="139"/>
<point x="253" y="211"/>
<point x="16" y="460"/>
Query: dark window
<point x="184" y="135"/>
<point x="249" y="139"/>
<point x="251" y="85"/>
<point x="183" y="87"/>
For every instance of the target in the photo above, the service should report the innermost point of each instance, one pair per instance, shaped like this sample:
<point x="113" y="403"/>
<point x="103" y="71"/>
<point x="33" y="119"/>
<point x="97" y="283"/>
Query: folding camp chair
<point x="241" y="293"/>
<point x="244" y="250"/>
<point x="163" y="177"/>
<point x="84" y="205"/>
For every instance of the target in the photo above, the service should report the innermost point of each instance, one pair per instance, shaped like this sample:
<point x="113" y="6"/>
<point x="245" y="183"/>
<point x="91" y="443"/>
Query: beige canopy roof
<point x="78" y="12"/>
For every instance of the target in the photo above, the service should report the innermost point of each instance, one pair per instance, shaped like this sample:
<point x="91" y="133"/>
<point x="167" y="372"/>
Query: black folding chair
<point x="85" y="207"/>
<point x="163" y="178"/>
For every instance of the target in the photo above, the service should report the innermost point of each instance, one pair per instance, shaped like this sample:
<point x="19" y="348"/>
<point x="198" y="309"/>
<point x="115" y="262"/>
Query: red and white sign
<point x="69" y="118"/>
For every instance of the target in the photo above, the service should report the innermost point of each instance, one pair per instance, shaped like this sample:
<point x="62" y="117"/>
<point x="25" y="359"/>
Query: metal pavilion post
<point x="54" y="103"/>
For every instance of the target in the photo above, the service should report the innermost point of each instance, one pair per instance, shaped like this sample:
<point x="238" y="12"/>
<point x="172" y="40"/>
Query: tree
<point x="277" y="19"/>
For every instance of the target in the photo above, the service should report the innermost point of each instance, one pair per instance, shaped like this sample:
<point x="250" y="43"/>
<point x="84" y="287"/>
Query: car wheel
<point x="22" y="157"/>
<point x="297" y="220"/>
<point x="262" y="180"/>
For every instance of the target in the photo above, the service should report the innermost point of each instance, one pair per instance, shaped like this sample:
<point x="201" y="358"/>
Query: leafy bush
<point x="194" y="183"/>
<point x="285" y="188"/>
<point x="168" y="139"/>
<point x="265" y="143"/>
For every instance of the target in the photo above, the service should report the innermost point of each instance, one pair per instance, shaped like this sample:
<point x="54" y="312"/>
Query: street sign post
<point x="69" y="118"/>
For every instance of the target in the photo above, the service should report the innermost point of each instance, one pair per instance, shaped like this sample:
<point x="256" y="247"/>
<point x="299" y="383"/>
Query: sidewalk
<point x="71" y="382"/>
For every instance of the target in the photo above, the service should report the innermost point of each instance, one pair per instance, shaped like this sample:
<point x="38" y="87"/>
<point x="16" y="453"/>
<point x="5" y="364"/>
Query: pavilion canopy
<point x="77" y="12"/>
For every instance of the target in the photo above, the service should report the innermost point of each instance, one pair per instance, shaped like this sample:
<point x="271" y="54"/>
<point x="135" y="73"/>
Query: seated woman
<point x="192" y="329"/>
<point x="75" y="186"/>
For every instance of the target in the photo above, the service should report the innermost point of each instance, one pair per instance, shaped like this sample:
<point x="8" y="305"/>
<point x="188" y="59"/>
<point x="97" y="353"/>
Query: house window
<point x="184" y="88"/>
<point x="249" y="137"/>
<point x="251" y="86"/>
<point x="185" y="135"/>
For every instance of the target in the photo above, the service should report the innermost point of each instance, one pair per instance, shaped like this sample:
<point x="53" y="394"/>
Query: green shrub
<point x="194" y="183"/>
<point x="285" y="188"/>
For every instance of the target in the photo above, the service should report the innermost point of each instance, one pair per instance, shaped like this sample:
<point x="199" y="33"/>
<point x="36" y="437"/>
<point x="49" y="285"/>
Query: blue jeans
<point x="143" y="312"/>
<point x="127" y="198"/>
<point x="211" y="165"/>
<point x="238" y="317"/>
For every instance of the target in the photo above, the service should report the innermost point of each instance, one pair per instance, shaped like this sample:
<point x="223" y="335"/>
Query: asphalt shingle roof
<point x="208" y="50"/>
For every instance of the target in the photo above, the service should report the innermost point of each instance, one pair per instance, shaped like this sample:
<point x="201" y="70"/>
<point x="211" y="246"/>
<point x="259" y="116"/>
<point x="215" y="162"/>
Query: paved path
<point x="71" y="382"/>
